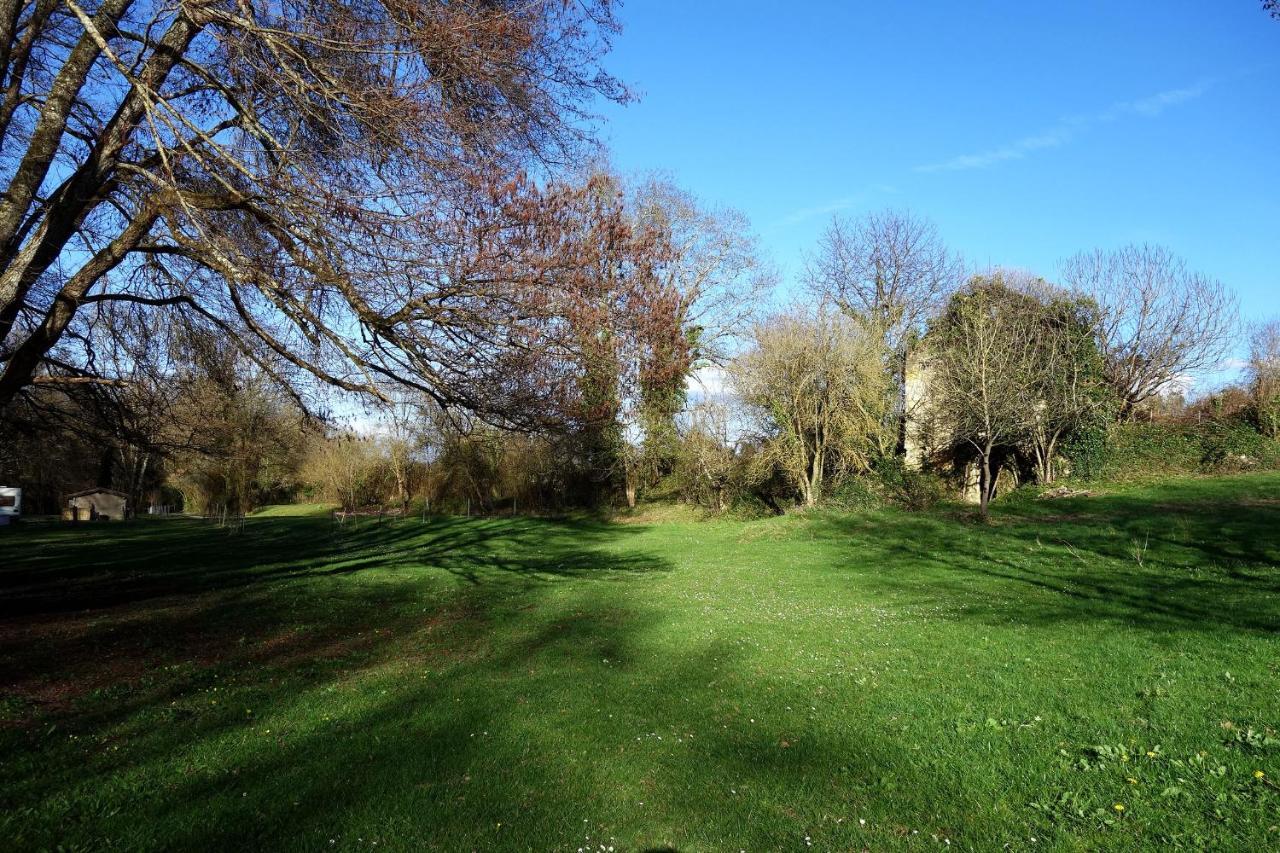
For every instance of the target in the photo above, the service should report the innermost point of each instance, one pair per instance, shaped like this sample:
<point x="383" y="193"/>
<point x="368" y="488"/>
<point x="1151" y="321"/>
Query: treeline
<point x="643" y="284"/>
<point x="223" y="222"/>
<point x="900" y="377"/>
<point x="904" y="377"/>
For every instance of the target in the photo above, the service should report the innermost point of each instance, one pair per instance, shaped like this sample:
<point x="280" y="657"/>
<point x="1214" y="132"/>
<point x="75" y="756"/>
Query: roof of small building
<point x="98" y="491"/>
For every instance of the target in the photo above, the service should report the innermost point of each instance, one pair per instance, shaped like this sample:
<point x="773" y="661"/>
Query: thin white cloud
<point x="1066" y="129"/>
<point x="803" y="214"/>
<point x="1013" y="151"/>
<point x="1158" y="103"/>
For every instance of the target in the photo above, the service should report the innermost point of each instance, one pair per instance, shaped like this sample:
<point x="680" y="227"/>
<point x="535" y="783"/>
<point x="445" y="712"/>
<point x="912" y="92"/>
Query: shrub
<point x="907" y="487"/>
<point x="856" y="493"/>
<point x="1153" y="449"/>
<point x="1086" y="447"/>
<point x="749" y="506"/>
<point x="1235" y="445"/>
<point x="923" y="489"/>
<point x="1150" y="448"/>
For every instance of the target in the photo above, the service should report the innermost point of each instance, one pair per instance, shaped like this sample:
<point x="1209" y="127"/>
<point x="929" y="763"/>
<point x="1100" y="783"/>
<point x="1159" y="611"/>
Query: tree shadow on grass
<point x="1191" y="561"/>
<point x="484" y="720"/>
<point x="63" y="570"/>
<point x="181" y="594"/>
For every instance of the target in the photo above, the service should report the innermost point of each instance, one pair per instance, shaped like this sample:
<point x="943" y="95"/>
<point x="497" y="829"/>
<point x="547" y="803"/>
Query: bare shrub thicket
<point x="816" y="383"/>
<point x="710" y="471"/>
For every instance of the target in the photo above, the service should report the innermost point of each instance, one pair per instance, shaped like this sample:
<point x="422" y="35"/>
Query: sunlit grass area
<point x="1087" y="673"/>
<point x="295" y="511"/>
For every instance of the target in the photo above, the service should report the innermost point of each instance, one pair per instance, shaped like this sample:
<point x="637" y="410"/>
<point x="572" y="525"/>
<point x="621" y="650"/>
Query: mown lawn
<point x="1095" y="673"/>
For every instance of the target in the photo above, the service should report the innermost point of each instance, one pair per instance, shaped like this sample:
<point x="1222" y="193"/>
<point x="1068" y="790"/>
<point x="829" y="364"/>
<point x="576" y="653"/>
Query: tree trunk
<point x="402" y="491"/>
<point x="985" y="485"/>
<point x="140" y="475"/>
<point x="900" y="360"/>
<point x="1043" y="473"/>
<point x="22" y="265"/>
<point x="1046" y="447"/>
<point x="814" y="490"/>
<point x="26" y="357"/>
<point x="46" y="136"/>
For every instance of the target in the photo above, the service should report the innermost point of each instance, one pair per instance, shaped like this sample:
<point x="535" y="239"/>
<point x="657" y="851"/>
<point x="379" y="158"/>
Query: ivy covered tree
<point x="711" y="285"/>
<point x="1015" y="366"/>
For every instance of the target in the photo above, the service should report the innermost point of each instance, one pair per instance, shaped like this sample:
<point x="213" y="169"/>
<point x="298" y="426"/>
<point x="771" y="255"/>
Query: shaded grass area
<point x="826" y="681"/>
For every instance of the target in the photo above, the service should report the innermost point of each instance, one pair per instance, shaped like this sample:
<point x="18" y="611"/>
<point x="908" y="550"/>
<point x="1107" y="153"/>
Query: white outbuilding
<point x="97" y="505"/>
<point x="10" y="504"/>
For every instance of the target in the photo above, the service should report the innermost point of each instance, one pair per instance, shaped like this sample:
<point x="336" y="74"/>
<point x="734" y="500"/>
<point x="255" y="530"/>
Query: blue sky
<point x="1026" y="131"/>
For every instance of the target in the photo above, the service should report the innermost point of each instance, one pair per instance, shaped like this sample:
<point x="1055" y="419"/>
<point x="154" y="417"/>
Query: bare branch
<point x="1159" y="322"/>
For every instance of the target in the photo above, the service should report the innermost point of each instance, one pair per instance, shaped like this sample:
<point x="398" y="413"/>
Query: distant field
<point x="1093" y="673"/>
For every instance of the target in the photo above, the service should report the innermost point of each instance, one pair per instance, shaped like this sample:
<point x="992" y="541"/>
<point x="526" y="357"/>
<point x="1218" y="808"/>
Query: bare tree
<point x="714" y="265"/>
<point x="1264" y="375"/>
<point x="1159" y="322"/>
<point x="230" y="437"/>
<point x="1071" y="392"/>
<point x="892" y="271"/>
<point x="890" y="268"/>
<point x="713" y="284"/>
<point x="819" y="387"/>
<point x="330" y="184"/>
<point x="405" y="432"/>
<point x="350" y="470"/>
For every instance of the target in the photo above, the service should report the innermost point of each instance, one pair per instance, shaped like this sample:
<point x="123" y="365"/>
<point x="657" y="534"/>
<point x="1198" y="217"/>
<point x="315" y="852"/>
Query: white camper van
<point x="10" y="504"/>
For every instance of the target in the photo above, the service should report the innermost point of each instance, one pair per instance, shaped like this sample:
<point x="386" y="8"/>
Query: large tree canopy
<point x="331" y="185"/>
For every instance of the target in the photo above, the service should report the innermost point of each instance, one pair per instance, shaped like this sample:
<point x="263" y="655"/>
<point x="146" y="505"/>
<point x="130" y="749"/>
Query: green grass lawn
<point x="1094" y="673"/>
